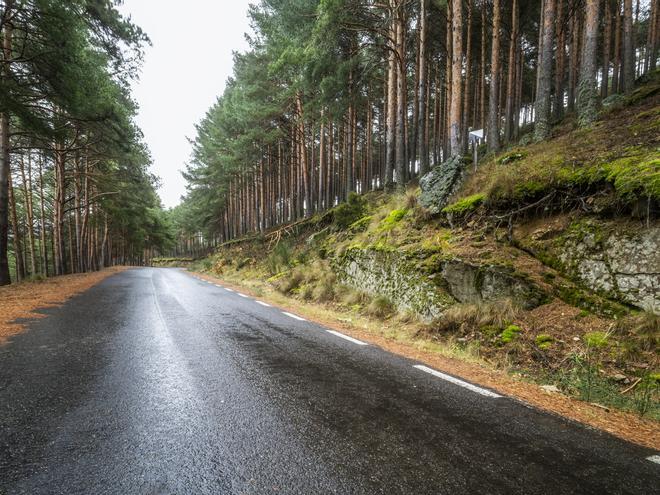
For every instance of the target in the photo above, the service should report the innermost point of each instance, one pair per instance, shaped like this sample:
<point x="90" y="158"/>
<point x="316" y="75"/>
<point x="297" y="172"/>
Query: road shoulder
<point x="20" y="302"/>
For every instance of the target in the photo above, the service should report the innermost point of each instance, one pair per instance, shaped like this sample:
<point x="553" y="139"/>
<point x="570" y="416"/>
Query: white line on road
<point x="230" y="290"/>
<point x="296" y="317"/>
<point x="264" y="304"/>
<point x="243" y="295"/>
<point x="350" y="339"/>
<point x="458" y="382"/>
<point x="654" y="458"/>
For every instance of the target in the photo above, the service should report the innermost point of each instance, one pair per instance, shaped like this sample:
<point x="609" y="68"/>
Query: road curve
<point x="157" y="382"/>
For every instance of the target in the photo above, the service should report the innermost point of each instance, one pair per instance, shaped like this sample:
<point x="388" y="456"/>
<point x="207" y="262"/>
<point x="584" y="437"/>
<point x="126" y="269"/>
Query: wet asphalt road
<point x="156" y="382"/>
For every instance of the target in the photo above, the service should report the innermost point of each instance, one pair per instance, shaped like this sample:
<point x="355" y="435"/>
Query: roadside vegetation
<point x="576" y="343"/>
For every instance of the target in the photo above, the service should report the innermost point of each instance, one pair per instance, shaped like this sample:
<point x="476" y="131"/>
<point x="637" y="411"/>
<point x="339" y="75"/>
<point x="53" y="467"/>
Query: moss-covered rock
<point x="392" y="275"/>
<point x="470" y="283"/>
<point x="429" y="286"/>
<point x="440" y="183"/>
<point x="615" y="261"/>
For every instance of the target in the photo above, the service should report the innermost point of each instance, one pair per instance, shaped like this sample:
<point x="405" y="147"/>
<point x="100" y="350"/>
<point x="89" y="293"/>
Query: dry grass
<point x="21" y="301"/>
<point x="462" y="318"/>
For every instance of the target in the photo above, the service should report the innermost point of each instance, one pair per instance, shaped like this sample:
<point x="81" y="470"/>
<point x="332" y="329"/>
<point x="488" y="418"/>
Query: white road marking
<point x="458" y="382"/>
<point x="264" y="304"/>
<point x="230" y="290"/>
<point x="243" y="295"/>
<point x="219" y="286"/>
<point x="654" y="458"/>
<point x="350" y="339"/>
<point x="296" y="317"/>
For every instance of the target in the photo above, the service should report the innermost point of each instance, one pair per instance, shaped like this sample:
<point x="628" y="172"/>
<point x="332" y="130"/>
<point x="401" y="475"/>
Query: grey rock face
<point x="473" y="284"/>
<point x="439" y="184"/>
<point x="409" y="288"/>
<point x="623" y="265"/>
<point x="391" y="275"/>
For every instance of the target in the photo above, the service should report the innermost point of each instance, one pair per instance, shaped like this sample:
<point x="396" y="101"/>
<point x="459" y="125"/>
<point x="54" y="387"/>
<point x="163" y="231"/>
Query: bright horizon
<point x="180" y="81"/>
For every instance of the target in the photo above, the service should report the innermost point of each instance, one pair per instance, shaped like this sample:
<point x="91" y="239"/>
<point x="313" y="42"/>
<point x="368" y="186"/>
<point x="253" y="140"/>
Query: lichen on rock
<point x="440" y="183"/>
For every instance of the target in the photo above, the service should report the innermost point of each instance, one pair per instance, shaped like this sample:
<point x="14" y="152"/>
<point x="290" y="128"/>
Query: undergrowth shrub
<point x="279" y="258"/>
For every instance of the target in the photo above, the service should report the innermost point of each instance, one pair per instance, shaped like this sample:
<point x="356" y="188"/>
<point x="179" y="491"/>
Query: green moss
<point x="529" y="189"/>
<point x="465" y="205"/>
<point x="596" y="340"/>
<point x="510" y="333"/>
<point x="544" y="341"/>
<point x="575" y="296"/>
<point x="392" y="219"/>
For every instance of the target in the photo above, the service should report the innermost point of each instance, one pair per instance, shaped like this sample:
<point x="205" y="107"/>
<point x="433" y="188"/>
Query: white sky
<point x="183" y="73"/>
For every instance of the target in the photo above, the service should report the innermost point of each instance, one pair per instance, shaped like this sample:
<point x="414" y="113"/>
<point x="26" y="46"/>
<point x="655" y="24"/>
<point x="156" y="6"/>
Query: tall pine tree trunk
<point x="400" y="98"/>
<point x="587" y="101"/>
<point x="422" y="92"/>
<point x="5" y="169"/>
<point x="607" y="43"/>
<point x="511" y="73"/>
<point x="628" y="48"/>
<point x="391" y="101"/>
<point x="456" y="100"/>
<point x="493" y="135"/>
<point x="544" y="79"/>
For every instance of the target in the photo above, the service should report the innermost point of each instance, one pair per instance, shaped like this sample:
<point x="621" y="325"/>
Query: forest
<point x="76" y="193"/>
<point x="342" y="96"/>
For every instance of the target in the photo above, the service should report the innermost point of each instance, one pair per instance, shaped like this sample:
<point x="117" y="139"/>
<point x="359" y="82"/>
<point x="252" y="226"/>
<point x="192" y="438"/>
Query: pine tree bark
<point x="400" y="98"/>
<point x="628" y="48"/>
<point x="653" y="35"/>
<point x="455" y="142"/>
<point x="468" y="79"/>
<point x="511" y="73"/>
<point x="42" y="218"/>
<point x="16" y="234"/>
<point x="391" y="102"/>
<point x="587" y="101"/>
<point x="422" y="92"/>
<point x="560" y="28"/>
<point x="607" y="42"/>
<point x="29" y="212"/>
<point x="482" y="77"/>
<point x="616" y="73"/>
<point x="493" y="135"/>
<point x="5" y="169"/>
<point x="544" y="79"/>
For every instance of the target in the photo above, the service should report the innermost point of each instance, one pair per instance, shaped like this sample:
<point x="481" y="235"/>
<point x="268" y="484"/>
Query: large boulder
<point x="440" y="183"/>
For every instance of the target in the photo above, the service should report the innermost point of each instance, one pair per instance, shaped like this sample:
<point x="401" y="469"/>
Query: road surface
<point x="157" y="382"/>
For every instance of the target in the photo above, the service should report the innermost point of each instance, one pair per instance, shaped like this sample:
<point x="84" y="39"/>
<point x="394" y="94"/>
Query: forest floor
<point x="24" y="300"/>
<point x="402" y="337"/>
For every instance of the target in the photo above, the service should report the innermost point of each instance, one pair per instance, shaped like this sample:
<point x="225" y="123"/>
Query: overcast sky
<point x="184" y="71"/>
